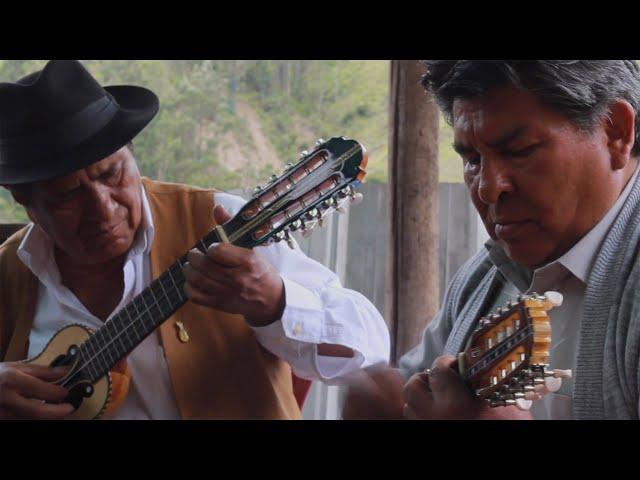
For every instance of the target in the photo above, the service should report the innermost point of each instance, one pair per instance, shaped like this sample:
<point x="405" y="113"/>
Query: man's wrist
<point x="270" y="313"/>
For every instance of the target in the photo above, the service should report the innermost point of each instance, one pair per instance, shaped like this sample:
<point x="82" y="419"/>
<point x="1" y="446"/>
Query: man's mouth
<point x="510" y="230"/>
<point x="103" y="232"/>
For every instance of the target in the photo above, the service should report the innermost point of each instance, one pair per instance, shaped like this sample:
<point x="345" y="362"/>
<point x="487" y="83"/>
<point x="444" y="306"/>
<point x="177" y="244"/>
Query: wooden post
<point x="413" y="183"/>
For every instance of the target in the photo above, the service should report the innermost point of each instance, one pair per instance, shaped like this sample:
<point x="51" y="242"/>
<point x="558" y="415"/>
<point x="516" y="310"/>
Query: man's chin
<point x="527" y="254"/>
<point x="102" y="253"/>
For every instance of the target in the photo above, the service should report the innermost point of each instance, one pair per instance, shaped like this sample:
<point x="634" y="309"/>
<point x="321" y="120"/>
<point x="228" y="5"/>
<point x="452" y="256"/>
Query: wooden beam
<point x="413" y="183"/>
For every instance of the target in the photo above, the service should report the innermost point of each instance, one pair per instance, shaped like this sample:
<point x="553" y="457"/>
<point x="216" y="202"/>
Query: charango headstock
<point x="299" y="198"/>
<point x="505" y="361"/>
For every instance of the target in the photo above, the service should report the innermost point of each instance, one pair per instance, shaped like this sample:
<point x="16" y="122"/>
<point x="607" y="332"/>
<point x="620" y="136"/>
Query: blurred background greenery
<point x="232" y="123"/>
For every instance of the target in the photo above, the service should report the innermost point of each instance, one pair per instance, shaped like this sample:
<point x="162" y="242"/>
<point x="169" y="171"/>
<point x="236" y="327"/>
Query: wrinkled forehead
<point x="498" y="112"/>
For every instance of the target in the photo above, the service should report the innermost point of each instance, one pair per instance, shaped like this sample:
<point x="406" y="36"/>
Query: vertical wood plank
<point x="413" y="181"/>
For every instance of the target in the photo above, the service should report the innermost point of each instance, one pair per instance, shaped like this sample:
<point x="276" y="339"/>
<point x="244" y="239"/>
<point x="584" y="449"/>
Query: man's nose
<point x="101" y="206"/>
<point x="494" y="181"/>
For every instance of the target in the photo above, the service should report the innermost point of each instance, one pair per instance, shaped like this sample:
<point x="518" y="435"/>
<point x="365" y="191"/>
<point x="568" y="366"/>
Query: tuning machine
<point x="329" y="203"/>
<point x="356" y="198"/>
<point x="296" y="225"/>
<point x="312" y="214"/>
<point x="286" y="236"/>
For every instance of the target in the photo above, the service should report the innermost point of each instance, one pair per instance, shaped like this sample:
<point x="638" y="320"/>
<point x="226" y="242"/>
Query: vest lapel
<point x="23" y="291"/>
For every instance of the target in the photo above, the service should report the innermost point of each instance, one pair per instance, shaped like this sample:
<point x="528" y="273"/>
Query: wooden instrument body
<point x="107" y="394"/>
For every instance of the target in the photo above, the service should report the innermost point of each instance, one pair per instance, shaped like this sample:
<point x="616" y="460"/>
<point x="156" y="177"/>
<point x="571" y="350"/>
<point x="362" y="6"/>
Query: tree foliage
<point x="230" y="124"/>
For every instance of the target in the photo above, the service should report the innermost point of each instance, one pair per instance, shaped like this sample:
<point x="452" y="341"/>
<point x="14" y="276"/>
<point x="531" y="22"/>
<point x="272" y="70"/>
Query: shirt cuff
<point x="295" y="337"/>
<point x="302" y="316"/>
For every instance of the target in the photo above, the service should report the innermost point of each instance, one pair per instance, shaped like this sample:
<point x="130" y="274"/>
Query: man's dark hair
<point x="582" y="90"/>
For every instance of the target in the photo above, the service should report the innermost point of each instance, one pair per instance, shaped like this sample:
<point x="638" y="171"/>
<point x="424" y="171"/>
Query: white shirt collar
<point x="36" y="248"/>
<point x="578" y="260"/>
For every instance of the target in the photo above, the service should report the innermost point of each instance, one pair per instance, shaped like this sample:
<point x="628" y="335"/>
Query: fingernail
<point x="212" y="247"/>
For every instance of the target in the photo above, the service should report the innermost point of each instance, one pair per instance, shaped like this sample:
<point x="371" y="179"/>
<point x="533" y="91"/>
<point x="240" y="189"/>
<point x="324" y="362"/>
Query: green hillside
<point x="232" y="123"/>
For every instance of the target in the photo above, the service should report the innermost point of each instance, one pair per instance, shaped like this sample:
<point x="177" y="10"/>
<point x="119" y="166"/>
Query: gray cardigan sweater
<point x="606" y="376"/>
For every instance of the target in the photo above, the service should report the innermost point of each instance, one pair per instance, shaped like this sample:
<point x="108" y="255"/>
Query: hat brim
<point x="137" y="107"/>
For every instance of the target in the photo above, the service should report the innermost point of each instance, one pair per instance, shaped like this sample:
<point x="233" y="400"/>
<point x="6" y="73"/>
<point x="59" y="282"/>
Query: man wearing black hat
<point x="101" y="233"/>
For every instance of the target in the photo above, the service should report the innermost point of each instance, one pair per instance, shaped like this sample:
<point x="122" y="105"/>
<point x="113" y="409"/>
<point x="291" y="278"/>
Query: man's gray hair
<point x="582" y="90"/>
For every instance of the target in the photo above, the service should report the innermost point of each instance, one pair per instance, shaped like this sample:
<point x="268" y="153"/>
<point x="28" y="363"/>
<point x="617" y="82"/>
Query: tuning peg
<point x="281" y="235"/>
<point x="357" y="198"/>
<point x="295" y="225"/>
<point x="304" y="153"/>
<point x="532" y="396"/>
<point x="560" y="373"/>
<point x="523" y="404"/>
<point x="313" y="213"/>
<point x="328" y="203"/>
<point x="274" y="177"/>
<point x="319" y="142"/>
<point x="258" y="189"/>
<point x="552" y="384"/>
<point x="289" y="166"/>
<point x="290" y="241"/>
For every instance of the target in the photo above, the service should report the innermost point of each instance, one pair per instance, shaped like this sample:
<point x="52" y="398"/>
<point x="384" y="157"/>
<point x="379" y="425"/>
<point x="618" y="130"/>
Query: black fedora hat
<point x="60" y="119"/>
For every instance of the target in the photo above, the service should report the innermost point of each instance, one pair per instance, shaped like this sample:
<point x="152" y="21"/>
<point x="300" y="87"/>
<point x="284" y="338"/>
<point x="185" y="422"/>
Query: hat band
<point x="63" y="135"/>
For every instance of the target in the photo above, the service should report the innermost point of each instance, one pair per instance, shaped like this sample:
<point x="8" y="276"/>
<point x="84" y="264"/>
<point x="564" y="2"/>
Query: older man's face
<point x="538" y="182"/>
<point x="92" y="214"/>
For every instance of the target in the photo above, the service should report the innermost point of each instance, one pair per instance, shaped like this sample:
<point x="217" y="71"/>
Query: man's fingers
<point x="201" y="282"/>
<point x="408" y="413"/>
<point x="220" y="215"/>
<point x="36" y="409"/>
<point x="201" y="298"/>
<point x="230" y="255"/>
<point x="391" y="382"/>
<point x="366" y="400"/>
<point x="200" y="262"/>
<point x="43" y="372"/>
<point x="33" y="387"/>
<point x="220" y="257"/>
<point x="417" y="390"/>
<point x="443" y="377"/>
<point x="444" y="362"/>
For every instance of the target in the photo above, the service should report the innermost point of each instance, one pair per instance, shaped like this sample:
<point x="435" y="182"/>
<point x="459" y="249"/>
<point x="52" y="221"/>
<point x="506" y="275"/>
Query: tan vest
<point x="222" y="372"/>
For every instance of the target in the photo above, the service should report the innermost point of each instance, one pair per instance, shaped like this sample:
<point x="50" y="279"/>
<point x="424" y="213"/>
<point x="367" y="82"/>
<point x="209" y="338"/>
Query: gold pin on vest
<point x="183" y="335"/>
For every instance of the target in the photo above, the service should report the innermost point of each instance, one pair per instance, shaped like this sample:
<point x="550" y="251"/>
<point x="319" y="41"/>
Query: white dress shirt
<point x="318" y="310"/>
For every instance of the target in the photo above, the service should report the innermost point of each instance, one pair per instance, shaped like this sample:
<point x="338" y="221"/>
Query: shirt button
<point x="297" y="329"/>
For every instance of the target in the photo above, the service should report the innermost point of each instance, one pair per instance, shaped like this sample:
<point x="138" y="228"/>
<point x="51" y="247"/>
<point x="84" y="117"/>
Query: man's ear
<point x="619" y="127"/>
